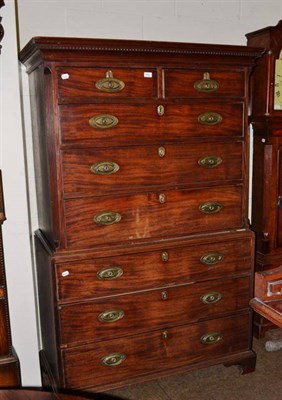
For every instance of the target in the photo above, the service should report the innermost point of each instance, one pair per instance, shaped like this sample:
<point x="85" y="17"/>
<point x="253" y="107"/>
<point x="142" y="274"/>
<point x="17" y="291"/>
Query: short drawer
<point x="138" y="312"/>
<point x="106" y="83"/>
<point x="110" y="361"/>
<point x="116" y="219"/>
<point x="107" y="276"/>
<point x="116" y="124"/>
<point x="202" y="83"/>
<point x="115" y="169"/>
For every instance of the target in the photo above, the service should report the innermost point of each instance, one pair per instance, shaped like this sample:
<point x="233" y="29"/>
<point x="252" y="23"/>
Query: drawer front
<point x="110" y="361"/>
<point x="94" y="221"/>
<point x="203" y="83"/>
<point x="117" y="124"/>
<point x="4" y="333"/>
<point x="114" y="169"/>
<point x="109" y="276"/>
<point x="122" y="315"/>
<point x="107" y="83"/>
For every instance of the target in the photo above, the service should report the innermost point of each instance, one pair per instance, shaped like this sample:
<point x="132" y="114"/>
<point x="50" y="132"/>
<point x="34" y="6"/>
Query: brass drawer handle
<point x="110" y="84"/>
<point x="111" y="316"/>
<point x="113" y="359"/>
<point x="212" y="258"/>
<point x="103" y="121"/>
<point x="209" y="118"/>
<point x="165" y="256"/>
<point x="206" y="84"/>
<point x="160" y="110"/>
<point x="210" y="161"/>
<point x="210" y="207"/>
<point x="104" y="168"/>
<point x="211" y="338"/>
<point x="110" y="273"/>
<point x="107" y="218"/>
<point x="211" y="298"/>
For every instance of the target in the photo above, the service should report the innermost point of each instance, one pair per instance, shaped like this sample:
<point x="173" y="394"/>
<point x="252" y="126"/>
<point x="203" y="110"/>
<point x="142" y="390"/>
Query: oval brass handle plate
<point x="107" y="218"/>
<point x="211" y="338"/>
<point x="104" y="168"/>
<point x="212" y="258"/>
<point x="103" y="121"/>
<point x="211" y="298"/>
<point x="111" y="316"/>
<point x="209" y="118"/>
<point x="113" y="359"/>
<point x="206" y="84"/>
<point x="210" y="161"/>
<point x="109" y="273"/>
<point x="110" y="84"/>
<point x="210" y="207"/>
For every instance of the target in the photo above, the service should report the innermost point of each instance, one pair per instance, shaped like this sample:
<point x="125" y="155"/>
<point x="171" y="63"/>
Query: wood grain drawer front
<point x="115" y="169"/>
<point x="4" y="332"/>
<point x="110" y="361"/>
<point x="107" y="83"/>
<point x="203" y="83"/>
<point x="117" y="124"/>
<point x="109" y="276"/>
<point x="93" y="220"/>
<point x="122" y="315"/>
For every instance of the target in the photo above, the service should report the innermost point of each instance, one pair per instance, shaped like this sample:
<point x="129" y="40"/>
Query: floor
<point x="216" y="383"/>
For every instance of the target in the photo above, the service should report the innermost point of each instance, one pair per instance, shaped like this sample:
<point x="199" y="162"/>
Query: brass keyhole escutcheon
<point x="165" y="335"/>
<point x="161" y="151"/>
<point x="164" y="295"/>
<point x="162" y="198"/>
<point x="165" y="256"/>
<point x="160" y="110"/>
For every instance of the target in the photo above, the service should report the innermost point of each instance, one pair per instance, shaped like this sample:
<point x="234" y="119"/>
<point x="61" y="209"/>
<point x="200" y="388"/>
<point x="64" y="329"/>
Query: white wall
<point x="221" y="21"/>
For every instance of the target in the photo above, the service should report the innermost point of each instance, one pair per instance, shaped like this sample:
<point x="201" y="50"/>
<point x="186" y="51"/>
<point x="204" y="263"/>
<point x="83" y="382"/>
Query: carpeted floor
<point x="216" y="383"/>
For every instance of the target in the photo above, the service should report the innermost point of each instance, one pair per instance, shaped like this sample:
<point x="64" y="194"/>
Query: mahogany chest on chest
<point x="144" y="255"/>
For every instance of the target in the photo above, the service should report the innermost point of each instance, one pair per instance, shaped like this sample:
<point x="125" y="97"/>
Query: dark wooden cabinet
<point x="9" y="364"/>
<point x="144" y="253"/>
<point x="266" y="118"/>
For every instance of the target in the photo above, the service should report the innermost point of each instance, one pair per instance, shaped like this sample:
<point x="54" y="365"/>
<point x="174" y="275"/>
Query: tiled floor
<point x="216" y="383"/>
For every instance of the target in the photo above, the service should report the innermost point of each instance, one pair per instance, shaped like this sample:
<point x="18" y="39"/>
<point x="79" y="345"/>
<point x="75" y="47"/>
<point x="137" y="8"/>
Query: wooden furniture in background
<point x="9" y="364"/>
<point x="144" y="253"/>
<point x="266" y="118"/>
<point x="268" y="295"/>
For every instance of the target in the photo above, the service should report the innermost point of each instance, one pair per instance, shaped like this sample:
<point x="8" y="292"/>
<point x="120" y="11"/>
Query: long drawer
<point x="108" y="276"/>
<point x="139" y="312"/>
<point x="114" y="169"/>
<point x="99" y="220"/>
<point x="117" y="124"/>
<point x="111" y="361"/>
